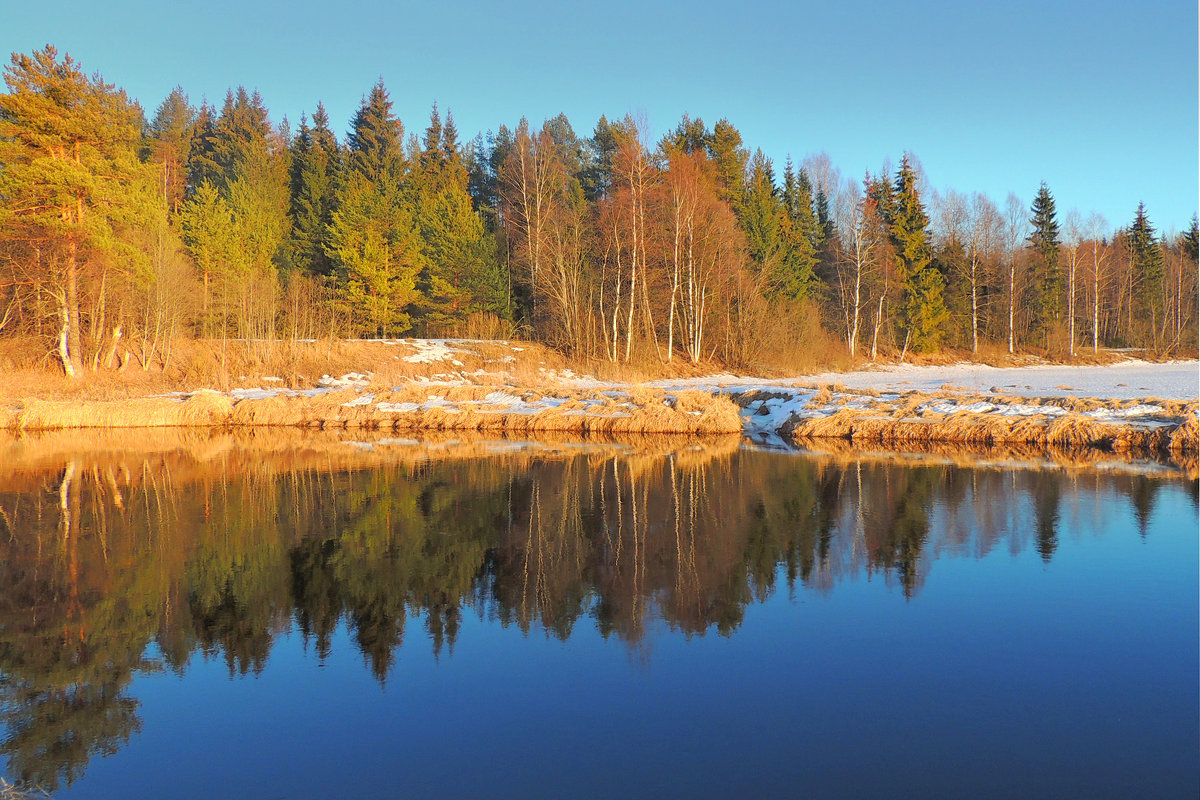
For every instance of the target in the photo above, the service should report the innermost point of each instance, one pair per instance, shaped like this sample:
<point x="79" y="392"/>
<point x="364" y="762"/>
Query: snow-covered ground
<point x="769" y="405"/>
<point x="1131" y="380"/>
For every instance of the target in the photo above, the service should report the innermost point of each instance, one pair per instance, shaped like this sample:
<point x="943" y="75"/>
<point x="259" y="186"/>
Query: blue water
<point x="1008" y="668"/>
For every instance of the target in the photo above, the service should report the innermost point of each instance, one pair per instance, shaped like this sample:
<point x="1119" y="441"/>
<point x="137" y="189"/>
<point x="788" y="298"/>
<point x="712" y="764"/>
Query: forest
<point x="122" y="233"/>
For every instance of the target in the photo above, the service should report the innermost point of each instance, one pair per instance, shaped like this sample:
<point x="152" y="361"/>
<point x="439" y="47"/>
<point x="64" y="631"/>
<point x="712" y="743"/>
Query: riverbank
<point x="518" y="388"/>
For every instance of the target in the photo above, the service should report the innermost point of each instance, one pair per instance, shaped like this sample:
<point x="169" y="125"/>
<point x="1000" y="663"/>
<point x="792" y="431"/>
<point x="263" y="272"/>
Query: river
<point x="199" y="615"/>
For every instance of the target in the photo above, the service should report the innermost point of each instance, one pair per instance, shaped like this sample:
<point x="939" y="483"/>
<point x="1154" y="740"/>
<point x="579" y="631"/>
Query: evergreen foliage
<point x="315" y="168"/>
<point x="1146" y="260"/>
<point x="1047" y="284"/>
<point x="924" y="307"/>
<point x="375" y="145"/>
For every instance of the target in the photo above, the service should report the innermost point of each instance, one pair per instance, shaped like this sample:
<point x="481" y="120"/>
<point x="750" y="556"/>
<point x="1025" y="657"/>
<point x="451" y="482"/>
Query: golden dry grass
<point x="907" y="423"/>
<point x="640" y="411"/>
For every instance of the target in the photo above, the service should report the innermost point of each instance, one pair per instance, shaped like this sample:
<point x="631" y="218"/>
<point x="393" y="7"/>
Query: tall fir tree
<point x="169" y="145"/>
<point x="1146" y="265"/>
<point x="373" y="239"/>
<point x="1190" y="240"/>
<point x="761" y="214"/>
<point x="1046" y="287"/>
<point x="375" y="145"/>
<point x="802" y="240"/>
<point x="460" y="270"/>
<point x="315" y="167"/>
<point x="923" y="286"/>
<point x="240" y="135"/>
<point x="202" y="163"/>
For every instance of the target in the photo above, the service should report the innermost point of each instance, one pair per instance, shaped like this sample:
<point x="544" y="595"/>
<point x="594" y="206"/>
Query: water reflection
<point x="214" y="546"/>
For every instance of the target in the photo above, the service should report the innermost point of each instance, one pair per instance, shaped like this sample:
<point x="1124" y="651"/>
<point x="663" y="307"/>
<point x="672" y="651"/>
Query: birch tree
<point x="1097" y="229"/>
<point x="1016" y="223"/>
<point x="985" y="230"/>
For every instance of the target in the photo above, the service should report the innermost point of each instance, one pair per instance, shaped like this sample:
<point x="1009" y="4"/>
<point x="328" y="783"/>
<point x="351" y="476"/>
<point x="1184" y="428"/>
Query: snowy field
<point x="1174" y="380"/>
<point x="1132" y="380"/>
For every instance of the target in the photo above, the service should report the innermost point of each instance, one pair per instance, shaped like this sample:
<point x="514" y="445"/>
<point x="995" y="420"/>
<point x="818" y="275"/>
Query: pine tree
<point x="689" y="136"/>
<point x="68" y="144"/>
<point x="598" y="152"/>
<point x="1047" y="285"/>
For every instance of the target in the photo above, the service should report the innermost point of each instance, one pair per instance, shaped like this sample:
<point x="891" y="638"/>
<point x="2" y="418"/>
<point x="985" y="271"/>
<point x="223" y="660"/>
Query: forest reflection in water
<point x="119" y="560"/>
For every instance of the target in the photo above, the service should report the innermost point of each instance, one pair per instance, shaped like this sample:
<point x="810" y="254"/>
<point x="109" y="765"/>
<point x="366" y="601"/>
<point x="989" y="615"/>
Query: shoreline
<point x="521" y="388"/>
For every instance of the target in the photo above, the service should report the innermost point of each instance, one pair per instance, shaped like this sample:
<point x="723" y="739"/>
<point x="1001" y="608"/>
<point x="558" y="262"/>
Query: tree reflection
<point x="103" y="556"/>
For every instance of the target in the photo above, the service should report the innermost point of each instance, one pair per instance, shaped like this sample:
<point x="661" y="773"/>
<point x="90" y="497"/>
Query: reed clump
<point x="1173" y="430"/>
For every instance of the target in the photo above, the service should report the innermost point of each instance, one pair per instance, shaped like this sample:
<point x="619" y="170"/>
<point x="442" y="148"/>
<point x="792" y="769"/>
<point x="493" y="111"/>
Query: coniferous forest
<point x="122" y="231"/>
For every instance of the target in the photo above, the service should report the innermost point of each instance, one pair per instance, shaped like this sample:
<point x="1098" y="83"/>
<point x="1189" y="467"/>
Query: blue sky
<point x="1098" y="100"/>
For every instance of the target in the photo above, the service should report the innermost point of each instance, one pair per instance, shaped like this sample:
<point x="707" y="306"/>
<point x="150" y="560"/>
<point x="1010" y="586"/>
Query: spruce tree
<point x="459" y="263"/>
<point x="375" y="145"/>
<point x="1190" y="240"/>
<point x="1146" y="264"/>
<point x="240" y="135"/>
<point x="730" y="158"/>
<point x="202" y="163"/>
<point x="169" y="143"/>
<point x="796" y="275"/>
<point x="314" y="173"/>
<point x="1047" y="284"/>
<point x="922" y="284"/>
<point x="761" y="214"/>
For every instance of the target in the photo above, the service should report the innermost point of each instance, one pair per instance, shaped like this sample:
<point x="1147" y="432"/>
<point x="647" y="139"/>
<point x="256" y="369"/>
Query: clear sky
<point x="1098" y="99"/>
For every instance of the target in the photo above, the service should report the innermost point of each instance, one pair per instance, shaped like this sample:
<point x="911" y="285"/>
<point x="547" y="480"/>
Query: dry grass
<point x="905" y="423"/>
<point x="639" y="411"/>
<point x="9" y="791"/>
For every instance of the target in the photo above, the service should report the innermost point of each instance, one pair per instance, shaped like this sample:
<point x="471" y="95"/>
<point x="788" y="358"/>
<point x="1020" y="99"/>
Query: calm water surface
<point x="202" y="618"/>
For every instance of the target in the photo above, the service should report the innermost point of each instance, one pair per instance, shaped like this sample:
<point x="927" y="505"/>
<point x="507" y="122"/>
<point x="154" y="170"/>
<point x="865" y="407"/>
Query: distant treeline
<point x="119" y="235"/>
